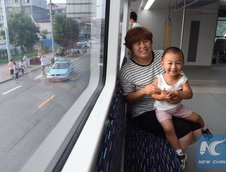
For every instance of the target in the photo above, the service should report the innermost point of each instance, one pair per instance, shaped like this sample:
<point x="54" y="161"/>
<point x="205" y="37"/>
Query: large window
<point x="43" y="100"/>
<point x="221" y="27"/>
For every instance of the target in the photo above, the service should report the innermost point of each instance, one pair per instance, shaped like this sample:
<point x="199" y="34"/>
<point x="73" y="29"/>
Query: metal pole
<point x="6" y="29"/>
<point x="51" y="21"/>
<point x="182" y="26"/>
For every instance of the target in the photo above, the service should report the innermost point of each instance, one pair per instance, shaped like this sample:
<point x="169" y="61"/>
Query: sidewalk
<point x="4" y="72"/>
<point x="5" y="76"/>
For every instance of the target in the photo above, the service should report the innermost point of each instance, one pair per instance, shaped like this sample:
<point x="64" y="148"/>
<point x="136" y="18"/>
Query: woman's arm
<point x="159" y="95"/>
<point x="137" y="95"/>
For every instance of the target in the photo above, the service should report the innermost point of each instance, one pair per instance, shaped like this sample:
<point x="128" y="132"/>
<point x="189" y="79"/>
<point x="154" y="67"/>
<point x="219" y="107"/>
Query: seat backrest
<point x="220" y="44"/>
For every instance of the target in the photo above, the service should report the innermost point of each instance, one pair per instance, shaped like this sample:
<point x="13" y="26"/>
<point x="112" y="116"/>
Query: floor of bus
<point x="209" y="100"/>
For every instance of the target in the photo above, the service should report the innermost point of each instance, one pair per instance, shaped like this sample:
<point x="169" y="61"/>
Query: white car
<point x="61" y="70"/>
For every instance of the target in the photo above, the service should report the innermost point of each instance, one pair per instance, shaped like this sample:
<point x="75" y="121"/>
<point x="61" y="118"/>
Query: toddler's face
<point x="173" y="63"/>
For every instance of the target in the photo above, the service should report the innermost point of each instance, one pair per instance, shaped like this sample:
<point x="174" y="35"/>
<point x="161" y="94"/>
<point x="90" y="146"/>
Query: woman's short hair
<point x="135" y="35"/>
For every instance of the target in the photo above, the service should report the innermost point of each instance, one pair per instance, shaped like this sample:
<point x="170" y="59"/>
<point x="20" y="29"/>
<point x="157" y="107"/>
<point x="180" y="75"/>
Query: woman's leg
<point x="195" y="135"/>
<point x="197" y="118"/>
<point x="189" y="139"/>
<point x="185" y="141"/>
<point x="148" y="121"/>
<point x="184" y="127"/>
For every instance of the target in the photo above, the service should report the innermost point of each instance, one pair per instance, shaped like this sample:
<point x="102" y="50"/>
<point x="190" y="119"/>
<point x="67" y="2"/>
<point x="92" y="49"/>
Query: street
<point x="30" y="108"/>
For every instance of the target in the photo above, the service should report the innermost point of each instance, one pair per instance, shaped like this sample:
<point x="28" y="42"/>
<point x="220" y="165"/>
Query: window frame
<point x="72" y="128"/>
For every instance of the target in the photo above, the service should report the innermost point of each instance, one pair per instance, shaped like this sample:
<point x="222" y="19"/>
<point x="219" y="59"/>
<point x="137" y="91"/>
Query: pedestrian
<point x="26" y="61"/>
<point x="52" y="60"/>
<point x="10" y="67"/>
<point x="21" y="66"/>
<point x="43" y="64"/>
<point x="16" y="70"/>
<point x="173" y="82"/>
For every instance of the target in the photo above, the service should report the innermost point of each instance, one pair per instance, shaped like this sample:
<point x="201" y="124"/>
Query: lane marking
<point x="39" y="76"/>
<point x="46" y="101"/>
<point x="75" y="59"/>
<point x="11" y="90"/>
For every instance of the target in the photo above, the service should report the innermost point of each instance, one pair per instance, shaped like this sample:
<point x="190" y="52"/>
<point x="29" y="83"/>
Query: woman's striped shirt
<point x="134" y="77"/>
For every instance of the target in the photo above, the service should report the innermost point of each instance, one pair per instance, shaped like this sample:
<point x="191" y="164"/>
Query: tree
<point x="2" y="33"/>
<point x="22" y="31"/>
<point x="66" y="30"/>
<point x="221" y="28"/>
<point x="43" y="34"/>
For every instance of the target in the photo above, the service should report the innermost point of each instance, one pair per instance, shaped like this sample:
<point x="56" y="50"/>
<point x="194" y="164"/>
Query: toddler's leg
<point x="197" y="118"/>
<point x="173" y="141"/>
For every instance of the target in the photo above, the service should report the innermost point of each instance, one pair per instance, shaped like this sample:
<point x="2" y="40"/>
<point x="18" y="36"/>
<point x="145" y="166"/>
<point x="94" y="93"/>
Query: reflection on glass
<point x="31" y="106"/>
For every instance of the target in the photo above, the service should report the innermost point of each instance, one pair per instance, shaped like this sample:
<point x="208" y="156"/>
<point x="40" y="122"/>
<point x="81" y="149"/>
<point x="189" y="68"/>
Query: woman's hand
<point x="137" y="95"/>
<point x="151" y="89"/>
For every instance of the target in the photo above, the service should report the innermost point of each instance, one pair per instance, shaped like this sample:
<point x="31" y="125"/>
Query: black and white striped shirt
<point x="134" y="77"/>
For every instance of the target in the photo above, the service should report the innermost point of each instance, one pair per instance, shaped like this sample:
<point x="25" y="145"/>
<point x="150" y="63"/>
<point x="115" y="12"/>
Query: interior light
<point x="149" y="4"/>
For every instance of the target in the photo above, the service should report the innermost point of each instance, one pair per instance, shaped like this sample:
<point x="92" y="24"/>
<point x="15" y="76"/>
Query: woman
<point x="10" y="67"/>
<point x="136" y="78"/>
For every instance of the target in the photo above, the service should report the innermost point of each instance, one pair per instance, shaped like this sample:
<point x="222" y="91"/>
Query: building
<point x="45" y="24"/>
<point x="80" y="8"/>
<point x="59" y="8"/>
<point x="37" y="9"/>
<point x="87" y="13"/>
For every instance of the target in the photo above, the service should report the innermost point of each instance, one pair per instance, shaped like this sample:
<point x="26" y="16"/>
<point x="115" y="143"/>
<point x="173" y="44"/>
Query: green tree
<point x="43" y="33"/>
<point x="221" y="28"/>
<point x="2" y="33"/>
<point x="22" y="31"/>
<point x="66" y="30"/>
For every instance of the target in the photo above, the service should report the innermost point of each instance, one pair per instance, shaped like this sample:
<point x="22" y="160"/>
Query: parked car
<point x="84" y="45"/>
<point x="74" y="52"/>
<point x="61" y="70"/>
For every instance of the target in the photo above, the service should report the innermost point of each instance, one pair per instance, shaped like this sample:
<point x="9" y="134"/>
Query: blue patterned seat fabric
<point x="143" y="152"/>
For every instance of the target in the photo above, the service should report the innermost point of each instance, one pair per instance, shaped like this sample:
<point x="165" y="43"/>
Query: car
<point x="61" y="70"/>
<point x="84" y="44"/>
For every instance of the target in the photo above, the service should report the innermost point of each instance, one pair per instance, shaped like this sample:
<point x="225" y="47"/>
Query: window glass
<point x="221" y="27"/>
<point x="52" y="54"/>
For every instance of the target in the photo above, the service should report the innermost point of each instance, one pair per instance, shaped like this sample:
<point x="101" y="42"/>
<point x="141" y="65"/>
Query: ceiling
<point x="178" y="4"/>
<point x="164" y="4"/>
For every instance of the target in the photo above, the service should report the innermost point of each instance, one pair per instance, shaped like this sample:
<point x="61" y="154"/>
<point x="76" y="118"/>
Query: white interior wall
<point x="207" y="30"/>
<point x="155" y="20"/>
